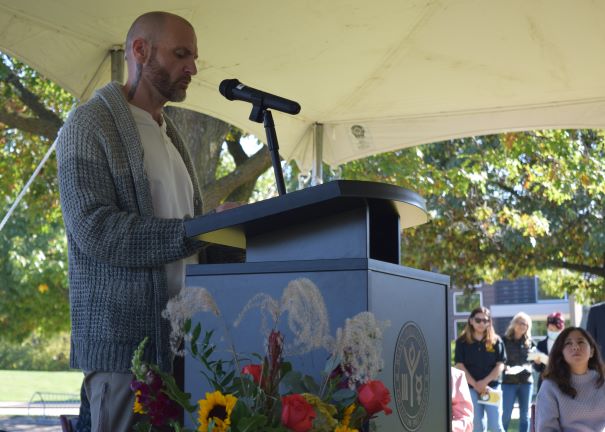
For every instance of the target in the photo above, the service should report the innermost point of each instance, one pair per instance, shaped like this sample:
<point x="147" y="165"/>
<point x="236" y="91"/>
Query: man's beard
<point x="160" y="79"/>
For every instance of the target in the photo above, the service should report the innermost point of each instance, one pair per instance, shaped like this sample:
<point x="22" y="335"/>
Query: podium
<point x="344" y="236"/>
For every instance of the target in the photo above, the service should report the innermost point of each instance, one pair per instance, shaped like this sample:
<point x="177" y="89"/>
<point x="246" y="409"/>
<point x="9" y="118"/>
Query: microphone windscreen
<point x="226" y="87"/>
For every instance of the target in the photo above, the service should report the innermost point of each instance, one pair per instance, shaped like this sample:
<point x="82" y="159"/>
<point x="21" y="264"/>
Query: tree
<point x="204" y="136"/>
<point x="504" y="206"/>
<point x="33" y="285"/>
<point x="33" y="289"/>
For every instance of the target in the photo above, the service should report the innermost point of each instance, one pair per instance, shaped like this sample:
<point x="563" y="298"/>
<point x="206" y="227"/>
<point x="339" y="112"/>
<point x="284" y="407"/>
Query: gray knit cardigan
<point x="117" y="249"/>
<point x="558" y="412"/>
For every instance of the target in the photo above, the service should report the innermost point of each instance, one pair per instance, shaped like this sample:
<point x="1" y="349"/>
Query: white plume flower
<point x="267" y="305"/>
<point x="307" y="316"/>
<point x="359" y="347"/>
<point x="182" y="307"/>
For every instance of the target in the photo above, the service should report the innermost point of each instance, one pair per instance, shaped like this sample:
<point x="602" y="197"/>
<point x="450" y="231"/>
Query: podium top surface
<point x="230" y="227"/>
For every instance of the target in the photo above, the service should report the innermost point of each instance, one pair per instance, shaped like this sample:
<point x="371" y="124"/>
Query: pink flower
<point x="255" y="370"/>
<point x="374" y="397"/>
<point x="297" y="414"/>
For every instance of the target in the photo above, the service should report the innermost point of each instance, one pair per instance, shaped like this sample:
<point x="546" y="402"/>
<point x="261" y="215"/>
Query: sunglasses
<point x="481" y="320"/>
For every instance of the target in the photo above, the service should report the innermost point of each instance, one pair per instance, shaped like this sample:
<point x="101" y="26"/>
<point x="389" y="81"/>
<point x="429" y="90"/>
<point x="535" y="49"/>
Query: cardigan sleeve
<point x="98" y="213"/>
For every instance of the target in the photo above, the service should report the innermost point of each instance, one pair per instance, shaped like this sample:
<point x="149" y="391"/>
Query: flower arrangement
<point x="263" y="392"/>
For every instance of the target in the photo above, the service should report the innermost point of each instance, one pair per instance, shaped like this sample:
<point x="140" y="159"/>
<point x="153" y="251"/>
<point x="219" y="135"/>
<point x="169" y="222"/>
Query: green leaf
<point x="196" y="333"/>
<point x="254" y="423"/>
<point x="344" y="395"/>
<point x="293" y="382"/>
<point x="174" y="392"/>
<point x="310" y="385"/>
<point x="142" y="426"/>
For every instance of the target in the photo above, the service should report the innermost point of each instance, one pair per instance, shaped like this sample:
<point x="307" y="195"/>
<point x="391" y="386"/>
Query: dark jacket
<point x="516" y="355"/>
<point x="543" y="348"/>
<point x="595" y="325"/>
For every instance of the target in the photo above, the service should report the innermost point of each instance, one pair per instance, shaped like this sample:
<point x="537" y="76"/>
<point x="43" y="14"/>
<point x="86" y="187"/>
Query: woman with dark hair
<point x="572" y="396"/>
<point x="481" y="355"/>
<point x="554" y="325"/>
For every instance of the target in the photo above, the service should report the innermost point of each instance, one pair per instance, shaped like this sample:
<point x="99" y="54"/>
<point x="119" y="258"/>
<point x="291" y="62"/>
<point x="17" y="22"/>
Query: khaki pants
<point x="111" y="401"/>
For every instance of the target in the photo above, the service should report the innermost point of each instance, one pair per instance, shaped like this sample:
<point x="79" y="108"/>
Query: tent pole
<point x="27" y="185"/>
<point x="117" y="74"/>
<point x="317" y="167"/>
<point x="117" y="64"/>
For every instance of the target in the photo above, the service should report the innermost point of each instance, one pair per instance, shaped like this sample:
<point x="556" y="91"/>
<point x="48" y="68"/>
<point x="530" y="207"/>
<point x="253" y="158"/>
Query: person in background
<point x="517" y="382"/>
<point x="462" y="404"/>
<point x="554" y="325"/>
<point x="572" y="396"/>
<point x="595" y="325"/>
<point x="481" y="355"/>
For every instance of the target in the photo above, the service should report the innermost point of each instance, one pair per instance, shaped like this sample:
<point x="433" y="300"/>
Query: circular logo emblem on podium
<point x="411" y="377"/>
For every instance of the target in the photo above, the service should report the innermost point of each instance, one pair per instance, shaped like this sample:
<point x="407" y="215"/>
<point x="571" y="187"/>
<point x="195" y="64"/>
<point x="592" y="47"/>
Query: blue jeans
<point x="494" y="415"/>
<point x="510" y="392"/>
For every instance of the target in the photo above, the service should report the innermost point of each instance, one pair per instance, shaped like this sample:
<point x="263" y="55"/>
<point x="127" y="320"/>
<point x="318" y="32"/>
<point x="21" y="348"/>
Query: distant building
<point x="506" y="298"/>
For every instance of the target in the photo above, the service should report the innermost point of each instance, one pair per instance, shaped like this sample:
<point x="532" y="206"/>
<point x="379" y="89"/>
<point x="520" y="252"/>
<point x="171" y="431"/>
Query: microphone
<point x="232" y="89"/>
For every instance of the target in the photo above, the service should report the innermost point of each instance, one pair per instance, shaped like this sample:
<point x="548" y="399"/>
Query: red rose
<point x="374" y="397"/>
<point x="254" y="370"/>
<point x="296" y="413"/>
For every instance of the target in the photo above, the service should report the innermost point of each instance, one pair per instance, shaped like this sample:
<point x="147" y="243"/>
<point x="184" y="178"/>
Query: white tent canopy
<point x="378" y="75"/>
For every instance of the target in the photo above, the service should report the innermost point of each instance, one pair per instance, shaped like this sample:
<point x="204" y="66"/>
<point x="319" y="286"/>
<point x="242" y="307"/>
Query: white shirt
<point x="171" y="188"/>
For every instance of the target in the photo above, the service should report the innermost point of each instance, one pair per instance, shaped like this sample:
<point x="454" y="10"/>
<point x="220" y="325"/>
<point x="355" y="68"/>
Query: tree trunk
<point x="204" y="136"/>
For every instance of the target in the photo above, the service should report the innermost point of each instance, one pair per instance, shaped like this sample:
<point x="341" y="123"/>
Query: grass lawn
<point x="513" y="425"/>
<point x="19" y="386"/>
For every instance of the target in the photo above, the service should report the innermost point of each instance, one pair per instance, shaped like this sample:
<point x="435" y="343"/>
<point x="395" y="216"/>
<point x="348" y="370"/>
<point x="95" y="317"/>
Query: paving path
<point x="17" y="417"/>
<point x="29" y="424"/>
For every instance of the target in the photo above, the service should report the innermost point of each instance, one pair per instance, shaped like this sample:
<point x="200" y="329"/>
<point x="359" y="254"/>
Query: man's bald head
<point x="150" y="27"/>
<point x="161" y="50"/>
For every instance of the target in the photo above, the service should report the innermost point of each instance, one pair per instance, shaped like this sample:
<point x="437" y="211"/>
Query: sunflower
<point x="346" y="417"/>
<point x="343" y="428"/>
<point x="138" y="406"/>
<point x="217" y="407"/>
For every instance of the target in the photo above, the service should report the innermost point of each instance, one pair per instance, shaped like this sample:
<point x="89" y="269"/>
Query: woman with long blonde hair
<point x="518" y="381"/>
<point x="481" y="355"/>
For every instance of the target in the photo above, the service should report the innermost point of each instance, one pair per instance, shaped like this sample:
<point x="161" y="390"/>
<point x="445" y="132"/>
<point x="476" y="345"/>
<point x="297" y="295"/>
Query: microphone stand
<point x="274" y="150"/>
<point x="258" y="114"/>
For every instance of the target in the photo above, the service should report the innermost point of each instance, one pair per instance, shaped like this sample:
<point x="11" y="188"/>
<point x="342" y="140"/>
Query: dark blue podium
<point x="344" y="236"/>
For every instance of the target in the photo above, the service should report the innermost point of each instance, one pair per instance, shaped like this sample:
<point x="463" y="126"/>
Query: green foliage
<point x="33" y="288"/>
<point x="504" y="206"/>
<point x="20" y="385"/>
<point x="53" y="97"/>
<point x="35" y="353"/>
<point x="466" y="302"/>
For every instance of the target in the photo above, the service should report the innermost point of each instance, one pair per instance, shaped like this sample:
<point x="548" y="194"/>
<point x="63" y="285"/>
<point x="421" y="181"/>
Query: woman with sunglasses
<point x="572" y="396"/>
<point x="518" y="381"/>
<point x="481" y="355"/>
